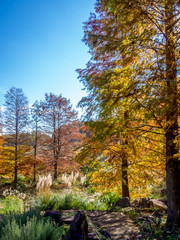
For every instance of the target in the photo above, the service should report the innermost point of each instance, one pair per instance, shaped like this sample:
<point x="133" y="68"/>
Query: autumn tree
<point x="110" y="79"/>
<point x="16" y="118"/>
<point x="147" y="87"/>
<point x="58" y="116"/>
<point x="163" y="18"/>
<point x="103" y="152"/>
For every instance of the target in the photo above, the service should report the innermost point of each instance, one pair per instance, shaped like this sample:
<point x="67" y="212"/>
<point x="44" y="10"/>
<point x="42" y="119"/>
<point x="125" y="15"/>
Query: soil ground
<point x="118" y="225"/>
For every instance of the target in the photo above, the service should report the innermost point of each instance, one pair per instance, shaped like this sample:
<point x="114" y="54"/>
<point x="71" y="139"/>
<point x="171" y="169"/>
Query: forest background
<point x="131" y="120"/>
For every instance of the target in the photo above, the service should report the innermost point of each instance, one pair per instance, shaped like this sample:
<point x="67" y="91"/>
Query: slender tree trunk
<point x="172" y="162"/>
<point x="55" y="156"/>
<point x="16" y="148"/>
<point x="15" y="163"/>
<point x="35" y="153"/>
<point x="55" y="168"/>
<point x="54" y="148"/>
<point x="125" y="185"/>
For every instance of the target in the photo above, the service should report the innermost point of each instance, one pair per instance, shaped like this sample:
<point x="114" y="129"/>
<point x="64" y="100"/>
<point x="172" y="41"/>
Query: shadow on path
<point x="119" y="225"/>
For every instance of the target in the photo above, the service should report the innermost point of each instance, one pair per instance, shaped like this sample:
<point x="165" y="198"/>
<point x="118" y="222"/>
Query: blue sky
<point x="41" y="47"/>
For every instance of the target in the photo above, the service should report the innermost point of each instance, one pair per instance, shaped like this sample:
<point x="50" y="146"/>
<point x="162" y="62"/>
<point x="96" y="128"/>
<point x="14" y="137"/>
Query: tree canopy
<point x="133" y="71"/>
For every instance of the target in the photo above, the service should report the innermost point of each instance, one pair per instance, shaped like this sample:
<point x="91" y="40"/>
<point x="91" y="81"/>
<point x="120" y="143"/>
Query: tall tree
<point x="106" y="73"/>
<point x="58" y="115"/>
<point x="16" y="118"/>
<point x="148" y="86"/>
<point x="163" y="17"/>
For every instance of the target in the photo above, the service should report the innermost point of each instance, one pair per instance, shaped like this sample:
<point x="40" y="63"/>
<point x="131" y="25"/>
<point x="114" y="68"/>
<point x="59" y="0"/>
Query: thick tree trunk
<point x="125" y="186"/>
<point x="172" y="162"/>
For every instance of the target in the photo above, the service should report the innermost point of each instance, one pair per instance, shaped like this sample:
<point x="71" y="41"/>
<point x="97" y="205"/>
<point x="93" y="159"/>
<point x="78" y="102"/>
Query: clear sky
<point x="41" y="47"/>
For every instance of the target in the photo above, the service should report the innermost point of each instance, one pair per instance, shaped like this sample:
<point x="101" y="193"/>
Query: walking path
<point x="118" y="225"/>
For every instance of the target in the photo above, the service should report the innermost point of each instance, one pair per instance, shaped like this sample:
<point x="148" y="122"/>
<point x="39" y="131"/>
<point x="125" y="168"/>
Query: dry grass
<point x="44" y="184"/>
<point x="71" y="180"/>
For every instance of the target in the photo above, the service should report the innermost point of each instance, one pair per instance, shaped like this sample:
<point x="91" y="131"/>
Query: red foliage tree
<point x="60" y="123"/>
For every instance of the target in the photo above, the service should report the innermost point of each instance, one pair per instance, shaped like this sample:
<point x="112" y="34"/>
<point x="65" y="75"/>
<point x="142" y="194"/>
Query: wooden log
<point x="79" y="228"/>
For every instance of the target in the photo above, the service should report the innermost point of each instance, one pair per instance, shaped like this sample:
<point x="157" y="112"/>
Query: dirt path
<point x="118" y="225"/>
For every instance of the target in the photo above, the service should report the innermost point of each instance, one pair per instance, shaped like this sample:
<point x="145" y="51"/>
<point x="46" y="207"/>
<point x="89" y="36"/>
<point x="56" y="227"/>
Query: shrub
<point x="12" y="204"/>
<point x="19" y="218"/>
<point x="109" y="199"/>
<point x="29" y="226"/>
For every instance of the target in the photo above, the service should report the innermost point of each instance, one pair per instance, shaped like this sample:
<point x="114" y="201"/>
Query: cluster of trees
<point x="37" y="138"/>
<point x="132" y="107"/>
<point x="131" y="110"/>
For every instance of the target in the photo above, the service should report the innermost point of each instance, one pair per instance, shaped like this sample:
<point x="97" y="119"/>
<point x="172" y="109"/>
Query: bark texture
<point x="172" y="161"/>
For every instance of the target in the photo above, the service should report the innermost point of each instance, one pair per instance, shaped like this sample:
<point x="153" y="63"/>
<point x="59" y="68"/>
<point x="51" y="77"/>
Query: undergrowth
<point x="152" y="228"/>
<point x="72" y="200"/>
<point x="28" y="226"/>
<point x="11" y="204"/>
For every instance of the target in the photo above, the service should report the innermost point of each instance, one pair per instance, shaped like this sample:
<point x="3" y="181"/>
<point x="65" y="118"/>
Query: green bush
<point x="90" y="190"/>
<point x="108" y="199"/>
<point x="19" y="218"/>
<point x="12" y="204"/>
<point x="29" y="226"/>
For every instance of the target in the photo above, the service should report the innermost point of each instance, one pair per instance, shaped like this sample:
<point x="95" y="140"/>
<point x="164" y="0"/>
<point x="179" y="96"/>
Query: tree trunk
<point x="34" y="173"/>
<point x="35" y="153"/>
<point x="172" y="162"/>
<point x="15" y="166"/>
<point x="125" y="185"/>
<point x="16" y="152"/>
<point x="55" y="168"/>
<point x="54" y="147"/>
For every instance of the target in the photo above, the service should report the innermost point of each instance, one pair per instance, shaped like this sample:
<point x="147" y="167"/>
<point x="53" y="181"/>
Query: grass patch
<point x="71" y="200"/>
